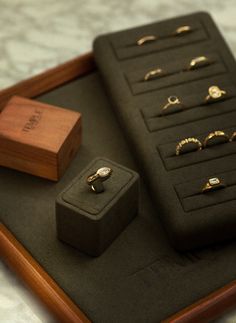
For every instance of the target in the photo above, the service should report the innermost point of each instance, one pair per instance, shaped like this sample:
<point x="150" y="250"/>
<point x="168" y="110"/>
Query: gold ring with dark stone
<point x="172" y="101"/>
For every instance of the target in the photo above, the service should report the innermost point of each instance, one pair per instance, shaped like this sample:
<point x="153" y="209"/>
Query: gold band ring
<point x="233" y="137"/>
<point x="212" y="184"/>
<point x="198" y="62"/>
<point x="185" y="142"/>
<point x="214" y="93"/>
<point x="153" y="74"/>
<point x="182" y="30"/>
<point x="210" y="139"/>
<point x="146" y="39"/>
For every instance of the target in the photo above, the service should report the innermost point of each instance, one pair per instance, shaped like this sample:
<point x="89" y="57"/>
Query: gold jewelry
<point x="215" y="135"/>
<point x="95" y="180"/>
<point x="233" y="137"/>
<point x="103" y="173"/>
<point x="172" y="100"/>
<point x="182" y="30"/>
<point x="153" y="74"/>
<point x="199" y="61"/>
<point x="214" y="93"/>
<point x="146" y="39"/>
<point x="212" y="184"/>
<point x="184" y="142"/>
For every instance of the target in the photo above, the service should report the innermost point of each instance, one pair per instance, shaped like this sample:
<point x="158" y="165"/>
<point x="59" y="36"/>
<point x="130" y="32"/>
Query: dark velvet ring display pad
<point x="140" y="277"/>
<point x="191" y="218"/>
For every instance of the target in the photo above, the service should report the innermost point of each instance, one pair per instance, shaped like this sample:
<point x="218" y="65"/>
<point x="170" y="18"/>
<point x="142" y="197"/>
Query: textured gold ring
<point x="198" y="62"/>
<point x="183" y="143"/>
<point x="212" y="184"/>
<point x="153" y="74"/>
<point x="211" y="139"/>
<point x="146" y="39"/>
<point x="214" y="93"/>
<point x="233" y="137"/>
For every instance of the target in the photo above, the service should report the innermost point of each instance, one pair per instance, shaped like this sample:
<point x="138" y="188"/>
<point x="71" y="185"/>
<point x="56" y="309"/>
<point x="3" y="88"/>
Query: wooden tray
<point x="19" y="259"/>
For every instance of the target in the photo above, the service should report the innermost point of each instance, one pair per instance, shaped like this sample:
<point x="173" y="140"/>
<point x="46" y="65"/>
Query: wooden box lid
<point x="38" y="138"/>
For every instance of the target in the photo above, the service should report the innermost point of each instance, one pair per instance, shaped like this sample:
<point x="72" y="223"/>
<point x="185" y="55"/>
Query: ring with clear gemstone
<point x="212" y="183"/>
<point x="102" y="173"/>
<point x="215" y="93"/>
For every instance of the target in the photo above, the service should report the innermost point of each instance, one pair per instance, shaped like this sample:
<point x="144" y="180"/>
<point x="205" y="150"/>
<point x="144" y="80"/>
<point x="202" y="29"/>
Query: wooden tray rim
<point x="29" y="270"/>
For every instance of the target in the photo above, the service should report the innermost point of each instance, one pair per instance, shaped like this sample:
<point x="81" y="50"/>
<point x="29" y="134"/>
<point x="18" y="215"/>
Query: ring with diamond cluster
<point x="95" y="180"/>
<point x="215" y="94"/>
<point x="212" y="184"/>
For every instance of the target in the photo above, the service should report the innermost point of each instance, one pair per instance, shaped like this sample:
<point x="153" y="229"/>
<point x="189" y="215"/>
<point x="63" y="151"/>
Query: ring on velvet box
<point x="90" y="222"/>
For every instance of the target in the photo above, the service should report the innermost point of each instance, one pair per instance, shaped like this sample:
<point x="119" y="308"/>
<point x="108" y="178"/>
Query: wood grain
<point x="38" y="138"/>
<point x="49" y="79"/>
<point x="208" y="308"/>
<point x="38" y="280"/>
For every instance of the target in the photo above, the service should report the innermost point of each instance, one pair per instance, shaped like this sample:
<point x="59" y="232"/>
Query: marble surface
<point x="36" y="35"/>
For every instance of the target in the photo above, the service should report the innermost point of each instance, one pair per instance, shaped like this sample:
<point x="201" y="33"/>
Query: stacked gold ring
<point x="185" y="142"/>
<point x="209" y="140"/>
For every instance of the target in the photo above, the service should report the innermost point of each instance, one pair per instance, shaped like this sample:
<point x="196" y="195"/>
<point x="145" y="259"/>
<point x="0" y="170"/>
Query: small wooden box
<point x="37" y="138"/>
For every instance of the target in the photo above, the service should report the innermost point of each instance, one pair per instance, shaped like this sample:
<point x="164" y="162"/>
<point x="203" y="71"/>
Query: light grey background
<point x="37" y="35"/>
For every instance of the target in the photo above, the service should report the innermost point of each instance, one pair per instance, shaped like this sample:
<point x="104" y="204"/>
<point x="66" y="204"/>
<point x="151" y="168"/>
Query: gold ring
<point x="103" y="173"/>
<point x="146" y="39"/>
<point x="198" y="62"/>
<point x="216" y="134"/>
<point x="214" y="93"/>
<point x="233" y="137"/>
<point x="172" y="101"/>
<point x="212" y="184"/>
<point x="182" y="30"/>
<point x="153" y="74"/>
<point x="187" y="141"/>
<point x="95" y="180"/>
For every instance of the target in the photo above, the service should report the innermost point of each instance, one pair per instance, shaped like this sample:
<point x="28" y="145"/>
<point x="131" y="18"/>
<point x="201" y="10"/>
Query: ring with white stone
<point x="215" y="94"/>
<point x="188" y="145"/>
<point x="212" y="184"/>
<point x="95" y="180"/>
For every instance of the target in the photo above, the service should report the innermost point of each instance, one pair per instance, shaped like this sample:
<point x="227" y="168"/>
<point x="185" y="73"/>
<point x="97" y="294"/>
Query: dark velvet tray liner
<point x="140" y="278"/>
<point x="154" y="139"/>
